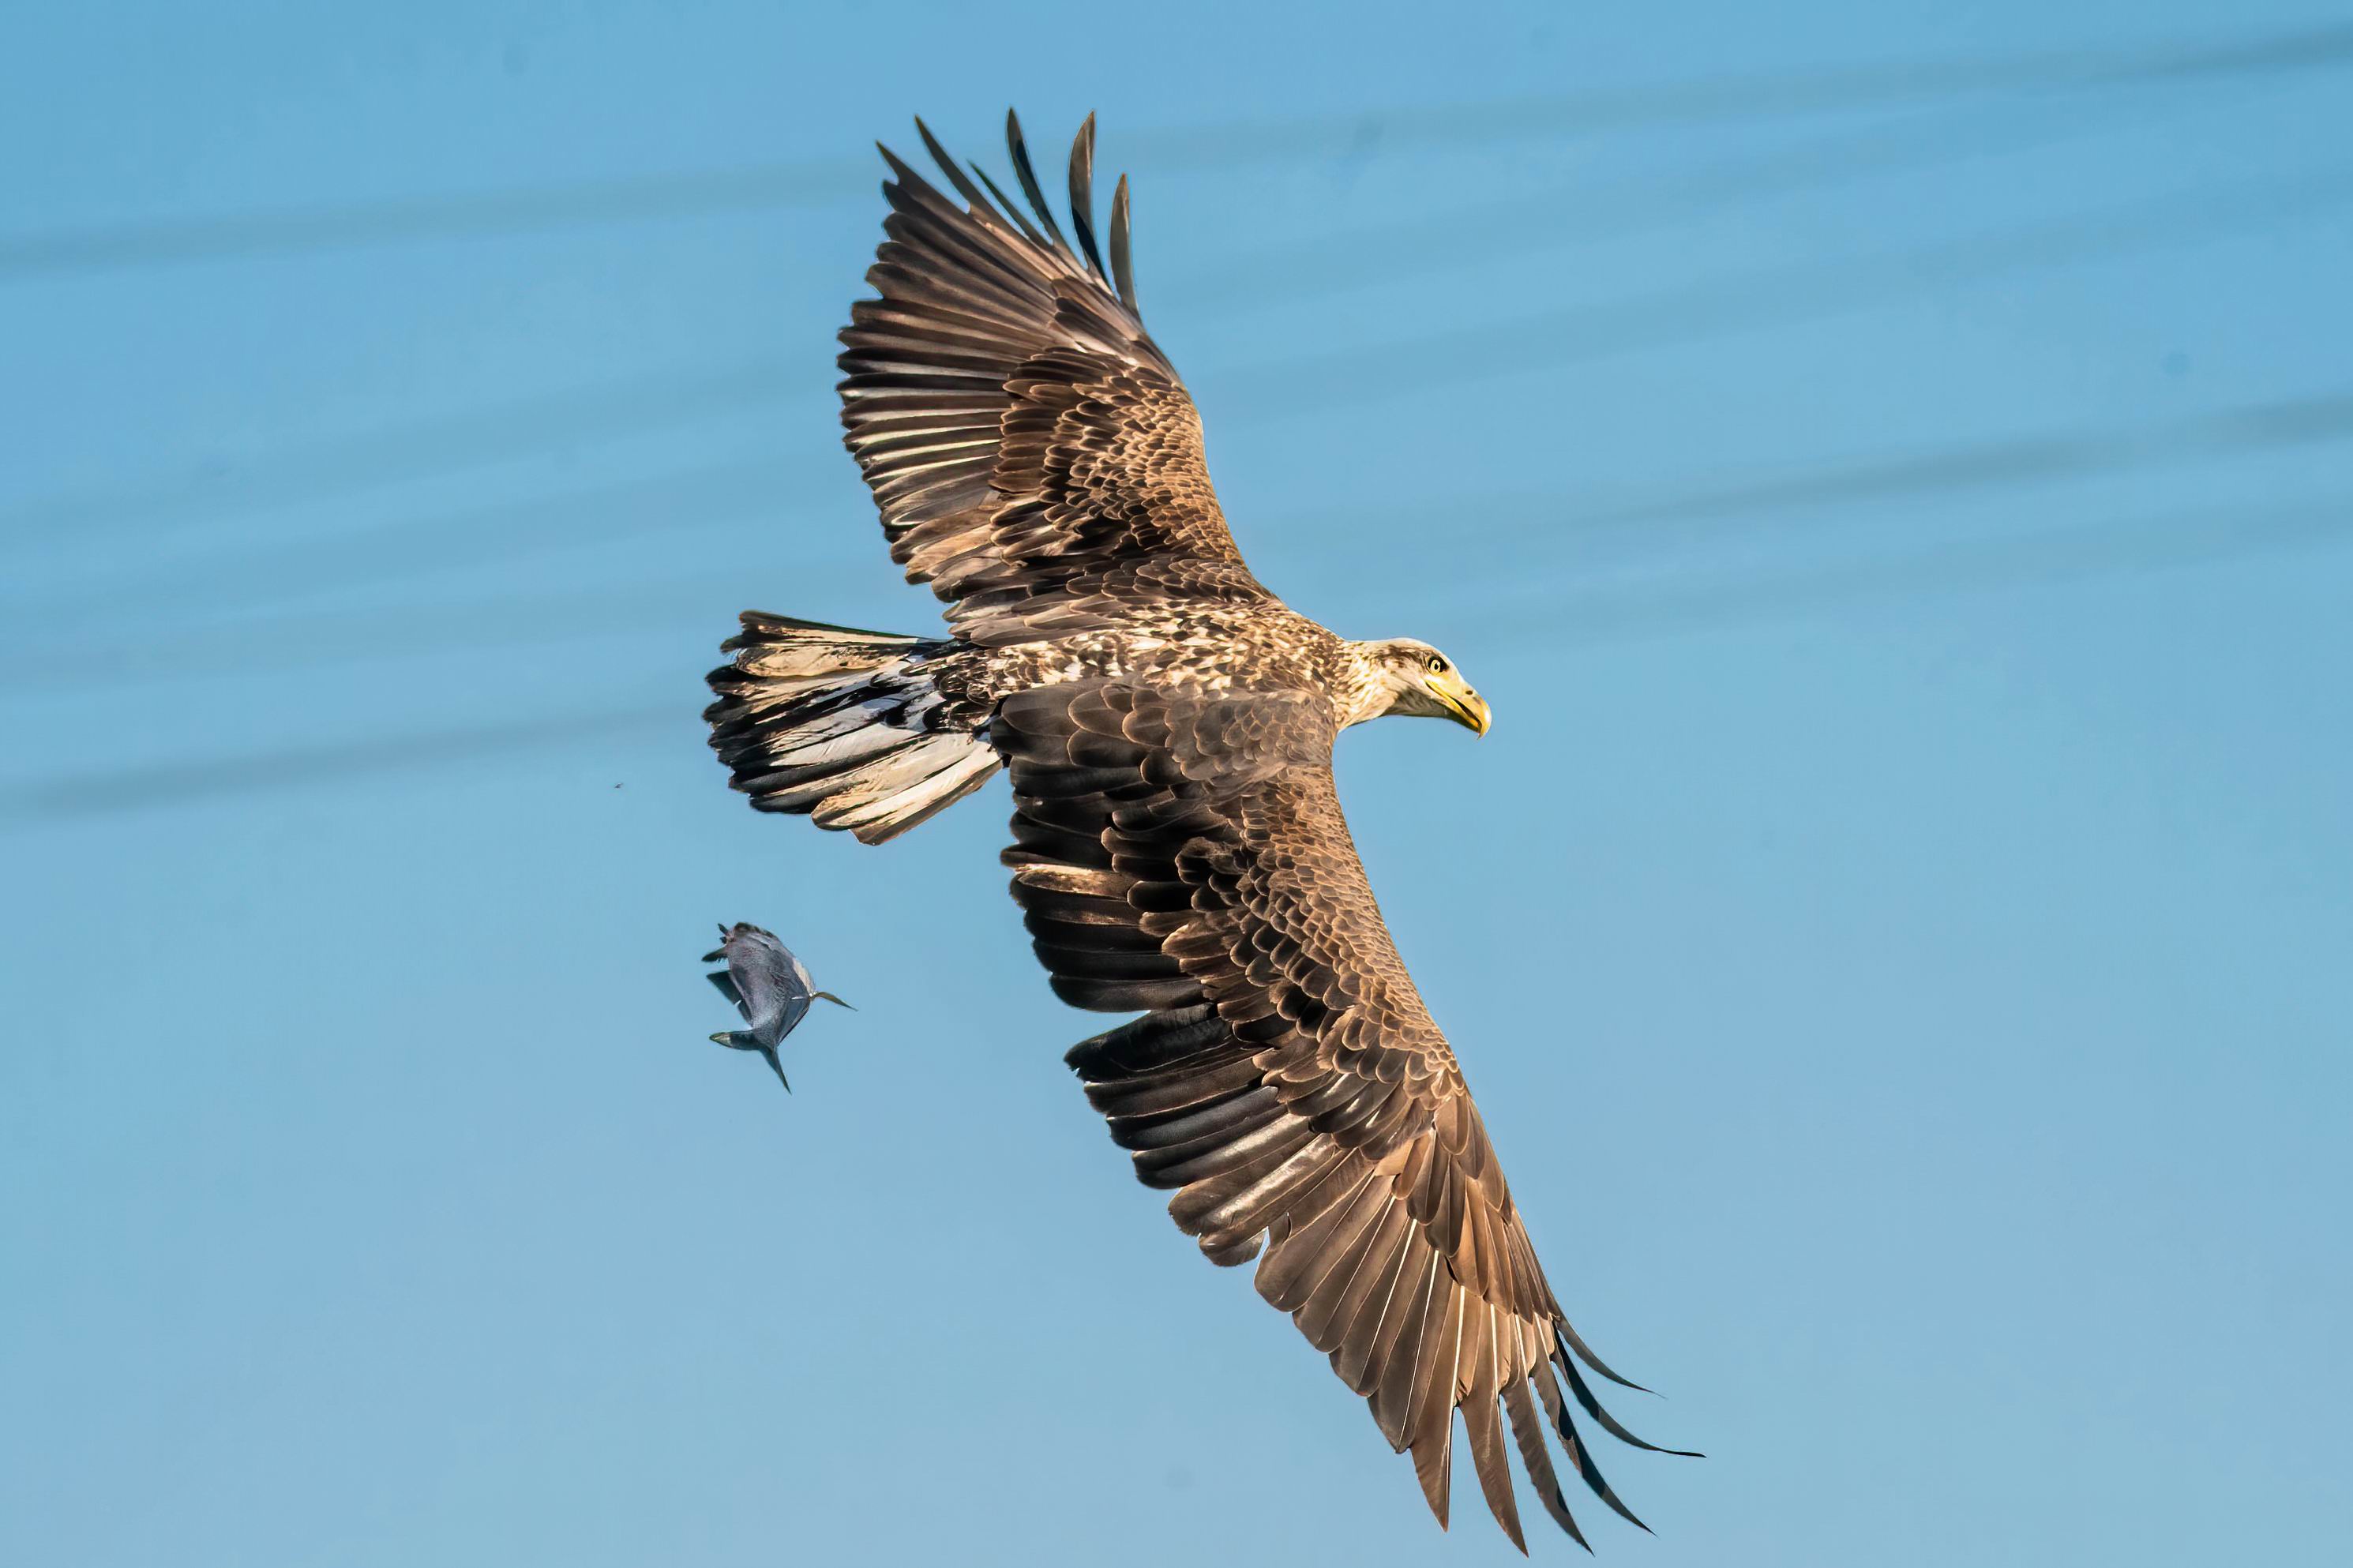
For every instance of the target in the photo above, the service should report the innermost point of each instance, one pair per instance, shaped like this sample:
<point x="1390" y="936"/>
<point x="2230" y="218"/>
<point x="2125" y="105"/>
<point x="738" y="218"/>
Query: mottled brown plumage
<point x="1178" y="846"/>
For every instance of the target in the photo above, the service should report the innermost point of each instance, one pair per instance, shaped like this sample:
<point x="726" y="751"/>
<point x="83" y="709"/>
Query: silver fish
<point x="768" y="985"/>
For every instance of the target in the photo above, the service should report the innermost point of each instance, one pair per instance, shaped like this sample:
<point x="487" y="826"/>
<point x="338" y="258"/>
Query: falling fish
<point x="768" y="985"/>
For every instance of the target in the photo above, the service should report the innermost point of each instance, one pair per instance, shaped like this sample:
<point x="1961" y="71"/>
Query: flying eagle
<point x="1178" y="846"/>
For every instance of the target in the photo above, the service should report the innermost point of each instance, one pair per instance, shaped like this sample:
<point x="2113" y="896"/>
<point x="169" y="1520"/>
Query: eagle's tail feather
<point x="847" y="727"/>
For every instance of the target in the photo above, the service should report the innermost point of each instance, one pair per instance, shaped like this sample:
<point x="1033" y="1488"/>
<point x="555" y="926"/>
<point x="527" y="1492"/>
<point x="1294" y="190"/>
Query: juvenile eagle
<point x="1178" y="846"/>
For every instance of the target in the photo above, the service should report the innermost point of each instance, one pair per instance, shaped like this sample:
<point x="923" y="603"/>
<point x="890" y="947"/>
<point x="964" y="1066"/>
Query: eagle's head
<point x="1403" y="675"/>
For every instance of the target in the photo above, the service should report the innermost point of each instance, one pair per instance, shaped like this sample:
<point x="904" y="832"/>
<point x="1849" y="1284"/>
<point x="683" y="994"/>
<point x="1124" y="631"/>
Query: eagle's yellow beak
<point x="1463" y="705"/>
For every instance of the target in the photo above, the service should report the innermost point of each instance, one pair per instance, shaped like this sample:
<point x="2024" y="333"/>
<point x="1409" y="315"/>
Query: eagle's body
<point x="1178" y="846"/>
<point x="1262" y="647"/>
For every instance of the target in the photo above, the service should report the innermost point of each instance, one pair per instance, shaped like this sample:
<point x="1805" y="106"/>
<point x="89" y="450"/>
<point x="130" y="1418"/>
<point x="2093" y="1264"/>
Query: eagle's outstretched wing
<point x="1185" y="854"/>
<point x="1035" y="457"/>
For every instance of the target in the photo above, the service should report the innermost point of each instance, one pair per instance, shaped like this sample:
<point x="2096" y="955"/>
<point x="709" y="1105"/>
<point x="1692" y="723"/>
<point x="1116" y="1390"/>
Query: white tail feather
<point x="846" y="726"/>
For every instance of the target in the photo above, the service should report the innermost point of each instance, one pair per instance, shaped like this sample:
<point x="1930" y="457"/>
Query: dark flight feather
<point x="1083" y="194"/>
<point x="1122" y="266"/>
<point x="1019" y="151"/>
<point x="956" y="177"/>
<point x="1011" y="209"/>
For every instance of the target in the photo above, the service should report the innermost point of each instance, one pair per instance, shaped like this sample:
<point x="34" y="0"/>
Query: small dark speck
<point x="2177" y="363"/>
<point x="1179" y="1477"/>
<point x="516" y="59"/>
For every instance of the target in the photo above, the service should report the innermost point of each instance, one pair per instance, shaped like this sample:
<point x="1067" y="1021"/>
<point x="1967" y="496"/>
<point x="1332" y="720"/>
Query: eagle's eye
<point x="1437" y="664"/>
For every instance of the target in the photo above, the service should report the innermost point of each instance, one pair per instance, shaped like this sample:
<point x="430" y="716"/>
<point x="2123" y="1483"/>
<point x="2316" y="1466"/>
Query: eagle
<point x="1166" y="724"/>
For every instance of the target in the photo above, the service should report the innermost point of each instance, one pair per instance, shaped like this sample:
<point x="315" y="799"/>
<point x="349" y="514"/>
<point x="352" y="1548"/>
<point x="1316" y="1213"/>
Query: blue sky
<point x="1885" y="463"/>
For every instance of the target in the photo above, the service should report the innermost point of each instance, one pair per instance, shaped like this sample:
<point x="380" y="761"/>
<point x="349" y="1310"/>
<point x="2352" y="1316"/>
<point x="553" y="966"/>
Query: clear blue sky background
<point x="1898" y="928"/>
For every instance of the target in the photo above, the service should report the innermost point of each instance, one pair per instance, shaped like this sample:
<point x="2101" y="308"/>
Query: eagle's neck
<point x="1365" y="685"/>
